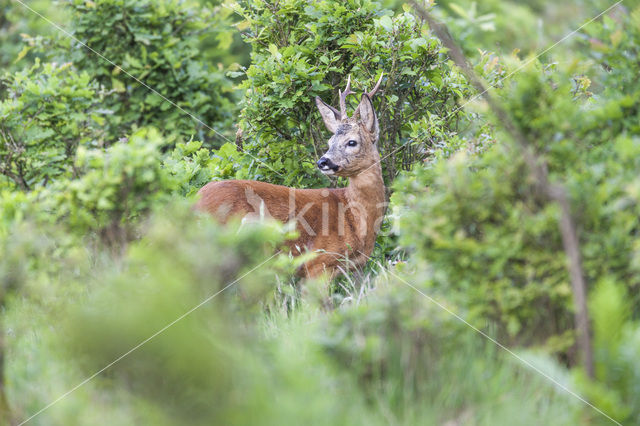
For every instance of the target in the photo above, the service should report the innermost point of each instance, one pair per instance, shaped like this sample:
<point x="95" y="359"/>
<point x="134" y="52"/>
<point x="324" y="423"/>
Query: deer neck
<point x="366" y="191"/>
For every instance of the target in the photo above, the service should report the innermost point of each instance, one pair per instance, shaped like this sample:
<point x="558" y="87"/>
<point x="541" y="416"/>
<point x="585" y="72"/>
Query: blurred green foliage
<point x="492" y="244"/>
<point x="216" y="281"/>
<point x="18" y="24"/>
<point x="487" y="238"/>
<point x="387" y="341"/>
<point x="617" y="340"/>
<point x="521" y="27"/>
<point x="117" y="186"/>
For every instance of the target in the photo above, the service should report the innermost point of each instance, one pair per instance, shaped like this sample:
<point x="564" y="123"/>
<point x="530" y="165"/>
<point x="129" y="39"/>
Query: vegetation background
<point x="101" y="155"/>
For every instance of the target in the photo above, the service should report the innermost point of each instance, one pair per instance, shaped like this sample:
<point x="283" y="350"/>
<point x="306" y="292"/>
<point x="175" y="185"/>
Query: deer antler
<point x="375" y="89"/>
<point x="370" y="94"/>
<point x="343" y="99"/>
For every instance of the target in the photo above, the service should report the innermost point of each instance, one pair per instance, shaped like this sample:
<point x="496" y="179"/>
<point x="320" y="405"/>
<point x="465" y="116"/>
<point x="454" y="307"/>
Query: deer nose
<point x="323" y="163"/>
<point x="326" y="165"/>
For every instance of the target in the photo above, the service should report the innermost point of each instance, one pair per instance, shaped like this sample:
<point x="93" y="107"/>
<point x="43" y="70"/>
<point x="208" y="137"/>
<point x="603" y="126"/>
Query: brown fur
<point x="339" y="223"/>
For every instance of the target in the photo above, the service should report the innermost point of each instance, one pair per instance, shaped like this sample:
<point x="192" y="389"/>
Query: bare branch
<point x="239" y="142"/>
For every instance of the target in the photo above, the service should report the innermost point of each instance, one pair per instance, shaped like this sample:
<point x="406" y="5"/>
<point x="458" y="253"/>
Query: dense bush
<point x="616" y="341"/>
<point x="117" y="186"/>
<point x="491" y="243"/>
<point x="311" y="50"/>
<point x="371" y="357"/>
<point x="18" y="24"/>
<point x="156" y="42"/>
<point x="386" y="342"/>
<point x="49" y="111"/>
<point x="215" y="353"/>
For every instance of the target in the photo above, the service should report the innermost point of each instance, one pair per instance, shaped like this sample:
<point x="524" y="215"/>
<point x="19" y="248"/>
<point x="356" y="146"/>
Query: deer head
<point x="352" y="148"/>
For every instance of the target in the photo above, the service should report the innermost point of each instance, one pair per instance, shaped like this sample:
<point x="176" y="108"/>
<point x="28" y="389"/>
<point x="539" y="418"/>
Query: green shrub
<point x="514" y="27"/>
<point x="157" y="42"/>
<point x="193" y="166"/>
<point x="48" y="112"/>
<point x="616" y="343"/>
<point x="423" y="366"/>
<point x="18" y="23"/>
<point x="492" y="244"/>
<point x="189" y="164"/>
<point x="611" y="45"/>
<point x="310" y="51"/>
<point x="117" y="186"/>
<point x="217" y="352"/>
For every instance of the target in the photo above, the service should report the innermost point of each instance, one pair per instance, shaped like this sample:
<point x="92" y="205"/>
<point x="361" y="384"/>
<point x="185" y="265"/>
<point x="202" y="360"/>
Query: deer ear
<point x="330" y="115"/>
<point x="368" y="116"/>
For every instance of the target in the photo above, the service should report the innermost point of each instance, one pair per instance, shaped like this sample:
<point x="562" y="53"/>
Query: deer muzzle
<point x="327" y="166"/>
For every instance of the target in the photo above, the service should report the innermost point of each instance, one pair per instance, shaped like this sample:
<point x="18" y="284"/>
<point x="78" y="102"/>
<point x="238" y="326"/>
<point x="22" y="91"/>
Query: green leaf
<point x="386" y="23"/>
<point x="117" y="85"/>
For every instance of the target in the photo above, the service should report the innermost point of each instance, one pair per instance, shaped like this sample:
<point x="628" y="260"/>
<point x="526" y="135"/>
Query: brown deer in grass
<point x="338" y="223"/>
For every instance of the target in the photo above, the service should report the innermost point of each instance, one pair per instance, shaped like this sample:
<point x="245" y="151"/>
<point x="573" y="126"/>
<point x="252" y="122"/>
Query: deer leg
<point x="317" y="269"/>
<point x="322" y="264"/>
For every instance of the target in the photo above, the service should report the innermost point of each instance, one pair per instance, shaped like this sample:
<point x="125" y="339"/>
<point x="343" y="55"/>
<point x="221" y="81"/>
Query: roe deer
<point x="338" y="223"/>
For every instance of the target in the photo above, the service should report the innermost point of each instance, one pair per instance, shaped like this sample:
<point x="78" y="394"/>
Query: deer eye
<point x="352" y="143"/>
